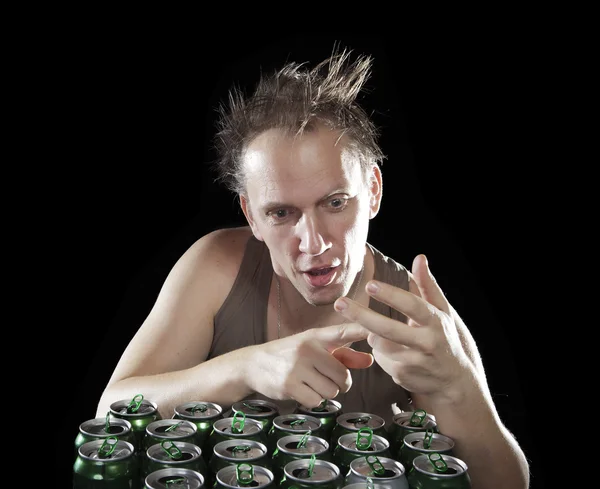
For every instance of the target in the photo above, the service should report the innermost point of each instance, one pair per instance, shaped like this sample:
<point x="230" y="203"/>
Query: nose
<point x="312" y="241"/>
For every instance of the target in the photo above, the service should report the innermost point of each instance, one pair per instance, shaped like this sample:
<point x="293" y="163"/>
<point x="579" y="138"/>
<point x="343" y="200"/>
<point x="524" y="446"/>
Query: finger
<point x="427" y="284"/>
<point x="332" y="337"/>
<point x="307" y="396"/>
<point x="325" y="384"/>
<point x="383" y="346"/>
<point x="352" y="358"/>
<point x="377" y="323"/>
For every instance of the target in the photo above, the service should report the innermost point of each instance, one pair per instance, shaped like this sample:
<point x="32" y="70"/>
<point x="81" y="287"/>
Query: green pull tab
<point x="172" y="450"/>
<point x="376" y="466"/>
<point x="321" y="407"/>
<point x="237" y="426"/>
<point x="360" y="420"/>
<point x="302" y="442"/>
<point x="107" y="447"/>
<point x="135" y="403"/>
<point x="251" y="406"/>
<point x="240" y="448"/>
<point x="107" y="422"/>
<point x="173" y="427"/>
<point x="427" y="437"/>
<point x="369" y="483"/>
<point x="297" y="422"/>
<point x="438" y="462"/>
<point x="417" y="418"/>
<point x="177" y="481"/>
<point x="244" y="473"/>
<point x="311" y="465"/>
<point x="363" y="442"/>
<point x="199" y="407"/>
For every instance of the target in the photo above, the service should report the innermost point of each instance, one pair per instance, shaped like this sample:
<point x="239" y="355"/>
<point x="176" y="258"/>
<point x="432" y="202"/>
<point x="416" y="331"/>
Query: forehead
<point x="281" y="167"/>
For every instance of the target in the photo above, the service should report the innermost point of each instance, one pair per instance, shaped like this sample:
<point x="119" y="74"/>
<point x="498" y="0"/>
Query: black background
<point x="458" y="123"/>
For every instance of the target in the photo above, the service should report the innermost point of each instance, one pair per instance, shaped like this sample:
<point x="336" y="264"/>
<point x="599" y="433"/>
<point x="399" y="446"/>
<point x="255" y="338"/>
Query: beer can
<point x="326" y="412"/>
<point x="174" y="454"/>
<point x="170" y="429"/>
<point x="423" y="443"/>
<point x="352" y="422"/>
<point x="259" y="409"/>
<point x="107" y="463"/>
<point x="409" y="422"/>
<point x="172" y="478"/>
<point x="102" y="428"/>
<point x="237" y="427"/>
<point x="233" y="452"/>
<point x="292" y="424"/>
<point x="436" y="471"/>
<point x="203" y="415"/>
<point x="311" y="473"/>
<point x="244" y="475"/>
<point x="298" y="447"/>
<point x="139" y="412"/>
<point x="355" y="445"/>
<point x="381" y="472"/>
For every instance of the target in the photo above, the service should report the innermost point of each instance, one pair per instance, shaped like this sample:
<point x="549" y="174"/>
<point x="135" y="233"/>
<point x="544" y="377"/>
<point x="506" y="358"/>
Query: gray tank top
<point x="241" y="321"/>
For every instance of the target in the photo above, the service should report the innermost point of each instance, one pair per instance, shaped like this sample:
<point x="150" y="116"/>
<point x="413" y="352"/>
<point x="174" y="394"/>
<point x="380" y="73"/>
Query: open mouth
<point x="321" y="271"/>
<point x="320" y="277"/>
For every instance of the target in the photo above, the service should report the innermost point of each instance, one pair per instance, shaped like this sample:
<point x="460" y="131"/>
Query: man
<point x="298" y="306"/>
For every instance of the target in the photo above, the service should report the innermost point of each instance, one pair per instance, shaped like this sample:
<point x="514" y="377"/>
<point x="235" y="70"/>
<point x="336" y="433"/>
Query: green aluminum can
<point x="361" y="444"/>
<point x="203" y="415"/>
<point x="102" y="428"/>
<point x="292" y="424"/>
<point x="170" y="429"/>
<point x="348" y="423"/>
<point x="244" y="475"/>
<point x="327" y="412"/>
<point x="174" y="478"/>
<point x="173" y="454"/>
<point x="233" y="452"/>
<point x="237" y="427"/>
<point x="383" y="472"/>
<point x="298" y="447"/>
<point x="106" y="464"/>
<point x="436" y="471"/>
<point x="311" y="473"/>
<point x="409" y="422"/>
<point x="140" y="413"/>
<point x="259" y="409"/>
<point x="423" y="443"/>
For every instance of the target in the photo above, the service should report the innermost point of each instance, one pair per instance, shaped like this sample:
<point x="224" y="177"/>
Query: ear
<point x="245" y="205"/>
<point x="375" y="190"/>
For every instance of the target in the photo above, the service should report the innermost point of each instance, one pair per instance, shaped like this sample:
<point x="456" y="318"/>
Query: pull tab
<point x="360" y="420"/>
<point x="107" y="422"/>
<point x="135" y="404"/>
<point x="417" y="417"/>
<point x="240" y="448"/>
<point x="172" y="450"/>
<point x="302" y="442"/>
<point x="251" y="406"/>
<point x="363" y="442"/>
<point x="107" y="447"/>
<point x="376" y="466"/>
<point x="177" y="481"/>
<point x="297" y="422"/>
<point x="237" y="426"/>
<point x="199" y="407"/>
<point x="173" y="427"/>
<point x="438" y="462"/>
<point x="244" y="473"/>
<point x="369" y="483"/>
<point x="311" y="465"/>
<point x="321" y="407"/>
<point x="427" y="437"/>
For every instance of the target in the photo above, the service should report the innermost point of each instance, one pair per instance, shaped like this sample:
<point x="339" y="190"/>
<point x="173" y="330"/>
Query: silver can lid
<point x="312" y="445"/>
<point x="386" y="469"/>
<point x="256" y="408"/>
<point x="173" y="452"/>
<point x="97" y="427"/>
<point x="257" y="475"/>
<point x="356" y="421"/>
<point x="198" y="410"/>
<point x="299" y="422"/>
<point x="124" y="408"/>
<point x="404" y="419"/>
<point x="232" y="450"/>
<point x="171" y="429"/>
<point x="322" y="471"/>
<point x="454" y="466"/>
<point x="167" y="478"/>
<point x="103" y="451"/>
<point x="350" y="441"/>
<point x="438" y="442"/>
<point x="251" y="426"/>
<point x="327" y="408"/>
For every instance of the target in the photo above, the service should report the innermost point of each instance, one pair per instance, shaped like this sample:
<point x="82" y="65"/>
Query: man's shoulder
<point x="222" y="249"/>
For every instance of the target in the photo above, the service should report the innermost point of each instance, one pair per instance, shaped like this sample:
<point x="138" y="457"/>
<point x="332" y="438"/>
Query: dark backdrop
<point x="455" y="121"/>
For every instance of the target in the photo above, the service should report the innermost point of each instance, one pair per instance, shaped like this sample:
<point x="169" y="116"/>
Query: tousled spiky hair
<point x="294" y="99"/>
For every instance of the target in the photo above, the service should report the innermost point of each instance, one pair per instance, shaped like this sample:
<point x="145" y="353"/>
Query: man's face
<point x="310" y="202"/>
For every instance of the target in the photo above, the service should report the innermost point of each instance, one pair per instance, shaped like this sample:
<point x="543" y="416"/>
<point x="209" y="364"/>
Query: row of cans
<point x="254" y="445"/>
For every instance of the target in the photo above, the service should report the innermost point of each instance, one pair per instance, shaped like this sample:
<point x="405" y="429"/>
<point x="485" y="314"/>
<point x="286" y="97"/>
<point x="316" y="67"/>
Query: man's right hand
<point x="309" y="366"/>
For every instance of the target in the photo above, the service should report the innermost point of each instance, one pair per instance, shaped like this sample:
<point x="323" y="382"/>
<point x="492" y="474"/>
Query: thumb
<point x="352" y="358"/>
<point x="428" y="286"/>
<point x="332" y="337"/>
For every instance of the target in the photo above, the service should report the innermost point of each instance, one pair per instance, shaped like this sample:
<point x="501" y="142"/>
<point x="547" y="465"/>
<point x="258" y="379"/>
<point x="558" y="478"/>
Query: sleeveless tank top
<point x="241" y="321"/>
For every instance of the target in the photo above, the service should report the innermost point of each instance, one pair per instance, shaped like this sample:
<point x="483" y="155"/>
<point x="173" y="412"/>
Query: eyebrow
<point x="269" y="206"/>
